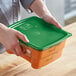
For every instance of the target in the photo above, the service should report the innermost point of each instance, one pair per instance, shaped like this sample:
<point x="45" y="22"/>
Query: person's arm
<point x="9" y="38"/>
<point x="39" y="7"/>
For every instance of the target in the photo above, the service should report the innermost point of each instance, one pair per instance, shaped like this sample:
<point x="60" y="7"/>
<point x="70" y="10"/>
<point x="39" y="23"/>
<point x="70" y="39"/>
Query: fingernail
<point x="26" y="40"/>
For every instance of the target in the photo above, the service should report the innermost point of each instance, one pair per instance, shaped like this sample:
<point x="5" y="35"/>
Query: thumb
<point x="21" y="36"/>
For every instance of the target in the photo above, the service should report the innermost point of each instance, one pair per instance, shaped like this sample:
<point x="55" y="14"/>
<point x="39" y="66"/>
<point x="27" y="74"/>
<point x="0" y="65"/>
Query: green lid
<point x="41" y="34"/>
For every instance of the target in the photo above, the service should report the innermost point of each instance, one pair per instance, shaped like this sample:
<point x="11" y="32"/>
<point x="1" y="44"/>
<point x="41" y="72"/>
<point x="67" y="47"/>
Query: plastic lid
<point x="41" y="34"/>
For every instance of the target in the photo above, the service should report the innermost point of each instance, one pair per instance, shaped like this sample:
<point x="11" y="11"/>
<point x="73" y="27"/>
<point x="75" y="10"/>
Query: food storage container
<point x="46" y="41"/>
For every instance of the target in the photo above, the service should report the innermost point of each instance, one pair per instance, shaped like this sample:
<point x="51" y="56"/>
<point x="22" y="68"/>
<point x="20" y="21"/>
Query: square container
<point x="46" y="41"/>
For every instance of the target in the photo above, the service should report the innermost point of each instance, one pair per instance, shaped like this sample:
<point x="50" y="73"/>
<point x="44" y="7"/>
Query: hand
<point x="39" y="7"/>
<point x="50" y="19"/>
<point x="9" y="38"/>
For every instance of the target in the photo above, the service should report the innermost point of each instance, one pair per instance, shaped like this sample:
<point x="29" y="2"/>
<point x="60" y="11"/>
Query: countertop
<point x="12" y="65"/>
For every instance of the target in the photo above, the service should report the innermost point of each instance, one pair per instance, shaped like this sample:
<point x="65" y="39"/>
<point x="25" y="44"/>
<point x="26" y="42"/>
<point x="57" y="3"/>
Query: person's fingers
<point x="53" y="21"/>
<point x="21" y="36"/>
<point x="18" y="50"/>
<point x="14" y="51"/>
<point x="58" y="25"/>
<point x="50" y="19"/>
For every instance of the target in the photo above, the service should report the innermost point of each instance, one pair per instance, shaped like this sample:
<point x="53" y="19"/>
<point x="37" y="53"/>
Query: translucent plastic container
<point x="46" y="41"/>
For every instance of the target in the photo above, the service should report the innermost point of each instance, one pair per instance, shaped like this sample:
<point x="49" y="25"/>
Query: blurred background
<point x="63" y="10"/>
<point x="70" y="11"/>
